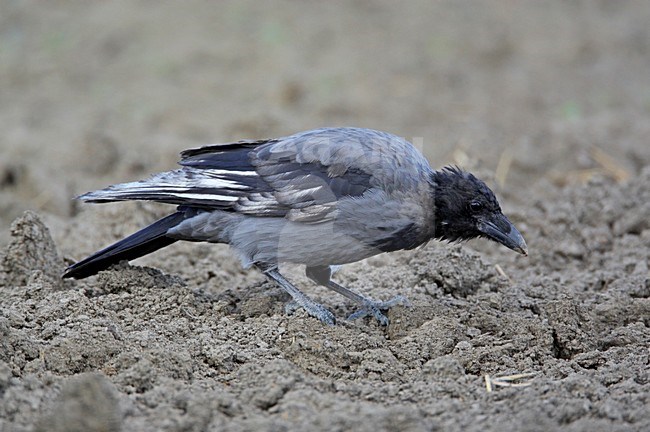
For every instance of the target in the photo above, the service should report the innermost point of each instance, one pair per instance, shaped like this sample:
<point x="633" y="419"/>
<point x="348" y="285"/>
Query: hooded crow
<point x="321" y="198"/>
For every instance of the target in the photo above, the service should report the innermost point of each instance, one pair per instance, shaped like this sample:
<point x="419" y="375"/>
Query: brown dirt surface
<point x="548" y="101"/>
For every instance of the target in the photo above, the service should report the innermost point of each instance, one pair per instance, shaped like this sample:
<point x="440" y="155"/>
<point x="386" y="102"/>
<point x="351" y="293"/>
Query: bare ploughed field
<point x="547" y="101"/>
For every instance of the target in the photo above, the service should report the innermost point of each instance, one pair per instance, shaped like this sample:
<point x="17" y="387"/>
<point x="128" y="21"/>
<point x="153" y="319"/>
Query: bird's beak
<point x="501" y="230"/>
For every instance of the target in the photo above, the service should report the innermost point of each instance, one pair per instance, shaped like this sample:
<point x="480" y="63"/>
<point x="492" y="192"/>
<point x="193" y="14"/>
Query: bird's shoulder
<point x="355" y="155"/>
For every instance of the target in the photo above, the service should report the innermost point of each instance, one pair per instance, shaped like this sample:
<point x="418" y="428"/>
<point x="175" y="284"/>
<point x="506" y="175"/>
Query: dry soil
<point x="548" y="101"/>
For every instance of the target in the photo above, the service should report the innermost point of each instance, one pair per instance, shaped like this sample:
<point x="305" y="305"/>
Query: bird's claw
<point x="374" y="308"/>
<point x="314" y="309"/>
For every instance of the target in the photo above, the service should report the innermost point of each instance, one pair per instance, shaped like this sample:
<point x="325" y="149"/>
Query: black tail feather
<point x="141" y="243"/>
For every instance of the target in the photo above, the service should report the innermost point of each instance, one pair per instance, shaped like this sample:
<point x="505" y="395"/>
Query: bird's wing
<point x="301" y="177"/>
<point x="312" y="172"/>
<point x="211" y="177"/>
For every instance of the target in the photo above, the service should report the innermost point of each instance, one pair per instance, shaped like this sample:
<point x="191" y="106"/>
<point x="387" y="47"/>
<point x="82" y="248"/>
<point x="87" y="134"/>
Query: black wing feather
<point x="233" y="156"/>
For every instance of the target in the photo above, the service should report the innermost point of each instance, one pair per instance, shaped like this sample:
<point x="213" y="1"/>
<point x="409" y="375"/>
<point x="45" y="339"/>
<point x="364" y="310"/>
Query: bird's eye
<point x="476" y="206"/>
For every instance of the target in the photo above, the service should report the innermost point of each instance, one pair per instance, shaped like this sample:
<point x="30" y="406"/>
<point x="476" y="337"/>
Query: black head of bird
<point x="466" y="208"/>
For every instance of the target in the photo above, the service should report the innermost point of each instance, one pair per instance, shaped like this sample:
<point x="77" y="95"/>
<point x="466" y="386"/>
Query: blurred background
<point x="531" y="95"/>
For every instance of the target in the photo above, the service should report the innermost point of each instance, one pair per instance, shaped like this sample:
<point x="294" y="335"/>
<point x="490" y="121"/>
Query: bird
<point x="320" y="198"/>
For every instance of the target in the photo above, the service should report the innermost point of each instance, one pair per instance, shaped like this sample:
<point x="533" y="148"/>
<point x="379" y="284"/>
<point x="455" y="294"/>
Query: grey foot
<point x="314" y="309"/>
<point x="374" y="308"/>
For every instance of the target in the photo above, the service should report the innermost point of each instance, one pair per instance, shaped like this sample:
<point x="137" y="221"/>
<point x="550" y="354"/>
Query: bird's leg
<point x="322" y="276"/>
<point x="314" y="309"/>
